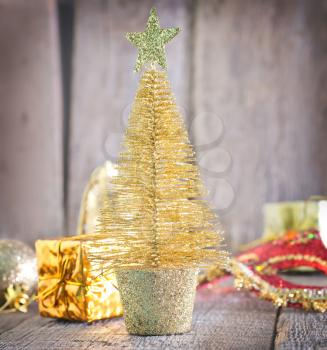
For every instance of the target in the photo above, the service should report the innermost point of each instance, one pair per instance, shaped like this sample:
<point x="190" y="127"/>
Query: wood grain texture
<point x="222" y="320"/>
<point x="30" y="121"/>
<point x="104" y="84"/>
<point x="261" y="66"/>
<point x="297" y="329"/>
<point x="12" y="320"/>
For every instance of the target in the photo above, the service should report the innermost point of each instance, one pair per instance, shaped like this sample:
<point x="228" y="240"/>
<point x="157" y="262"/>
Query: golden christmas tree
<point x="156" y="218"/>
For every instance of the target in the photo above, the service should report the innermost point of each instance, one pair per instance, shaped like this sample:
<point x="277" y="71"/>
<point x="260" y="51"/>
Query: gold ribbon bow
<point x="17" y="299"/>
<point x="58" y="289"/>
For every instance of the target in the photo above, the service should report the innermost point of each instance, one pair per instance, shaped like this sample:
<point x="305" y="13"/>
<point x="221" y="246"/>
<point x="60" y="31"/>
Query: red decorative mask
<point x="257" y="269"/>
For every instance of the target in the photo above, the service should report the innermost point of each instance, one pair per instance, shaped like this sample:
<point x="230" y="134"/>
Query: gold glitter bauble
<point x="157" y="301"/>
<point x="17" y="266"/>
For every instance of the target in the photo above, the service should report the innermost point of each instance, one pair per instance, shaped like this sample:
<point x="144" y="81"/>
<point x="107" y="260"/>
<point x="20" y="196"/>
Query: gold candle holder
<point x="157" y="301"/>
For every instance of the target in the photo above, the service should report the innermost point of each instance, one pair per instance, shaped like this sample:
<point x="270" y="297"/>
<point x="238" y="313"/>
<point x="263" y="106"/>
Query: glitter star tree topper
<point x="151" y="43"/>
<point x="156" y="224"/>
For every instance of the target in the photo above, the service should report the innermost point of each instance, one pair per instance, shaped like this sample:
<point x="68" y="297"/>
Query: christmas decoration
<point x="93" y="197"/>
<point x="257" y="269"/>
<point x="280" y="217"/>
<point x="213" y="273"/>
<point x="150" y="291"/>
<point x="283" y="216"/>
<point x="68" y="285"/>
<point x="151" y="42"/>
<point x="17" y="299"/>
<point x="288" y="245"/>
<point x="18" y="275"/>
<point x="156" y="229"/>
<point x="323" y="220"/>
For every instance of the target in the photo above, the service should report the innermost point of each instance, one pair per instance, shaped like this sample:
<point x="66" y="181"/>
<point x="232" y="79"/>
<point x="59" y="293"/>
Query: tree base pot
<point x="157" y="301"/>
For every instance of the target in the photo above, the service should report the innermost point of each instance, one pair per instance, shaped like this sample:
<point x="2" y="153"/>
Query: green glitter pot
<point x="157" y="301"/>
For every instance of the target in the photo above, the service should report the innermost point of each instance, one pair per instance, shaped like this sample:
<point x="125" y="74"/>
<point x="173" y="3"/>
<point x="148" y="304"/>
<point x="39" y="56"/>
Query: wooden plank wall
<point x="249" y="75"/>
<point x="262" y="67"/>
<point x="30" y="121"/>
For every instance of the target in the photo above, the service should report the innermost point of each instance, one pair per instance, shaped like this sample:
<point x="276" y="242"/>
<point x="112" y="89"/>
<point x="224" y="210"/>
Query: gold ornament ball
<point x="17" y="266"/>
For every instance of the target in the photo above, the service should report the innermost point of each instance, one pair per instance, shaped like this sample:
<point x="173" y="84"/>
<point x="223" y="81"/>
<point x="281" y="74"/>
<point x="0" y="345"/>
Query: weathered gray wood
<point x="297" y="329"/>
<point x="222" y="320"/>
<point x="261" y="67"/>
<point x="30" y="121"/>
<point x="9" y="321"/>
<point x="104" y="83"/>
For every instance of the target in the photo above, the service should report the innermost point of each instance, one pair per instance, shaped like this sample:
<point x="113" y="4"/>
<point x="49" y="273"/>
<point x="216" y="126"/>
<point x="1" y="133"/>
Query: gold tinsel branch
<point x="156" y="215"/>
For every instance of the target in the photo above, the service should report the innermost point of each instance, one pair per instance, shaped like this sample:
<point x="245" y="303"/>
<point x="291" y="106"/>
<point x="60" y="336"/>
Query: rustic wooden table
<point x="223" y="319"/>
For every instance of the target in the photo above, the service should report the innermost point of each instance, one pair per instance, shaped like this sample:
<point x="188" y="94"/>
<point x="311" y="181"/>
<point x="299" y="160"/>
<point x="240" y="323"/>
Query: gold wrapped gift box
<point x="283" y="216"/>
<point x="69" y="286"/>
